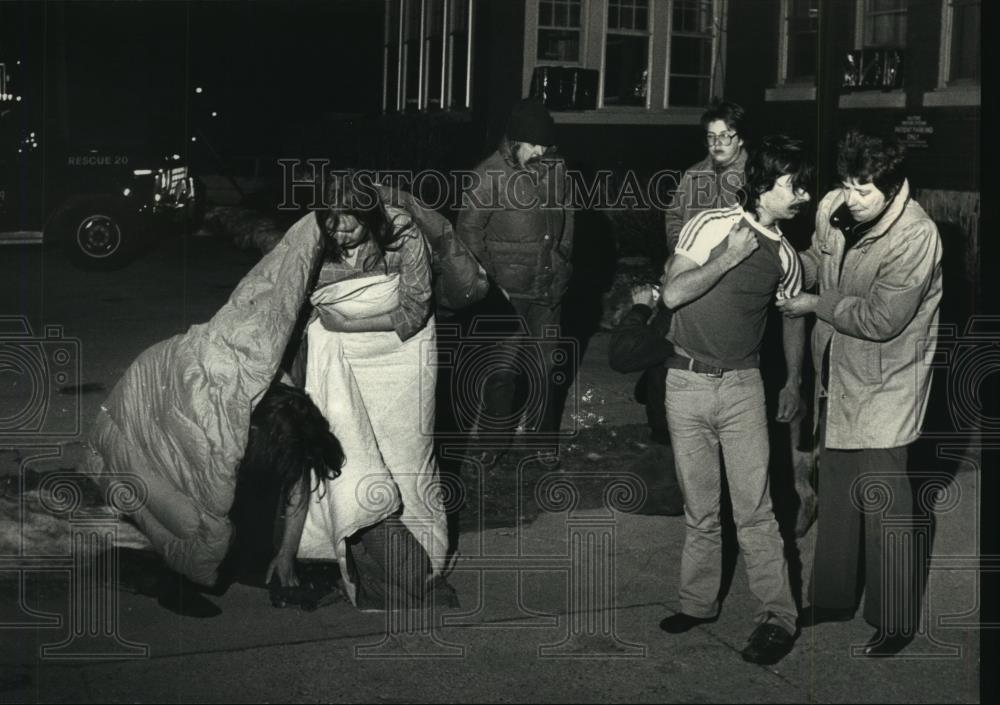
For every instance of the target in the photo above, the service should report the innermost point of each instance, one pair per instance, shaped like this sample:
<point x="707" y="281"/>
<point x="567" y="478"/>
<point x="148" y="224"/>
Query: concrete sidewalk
<point x="564" y="609"/>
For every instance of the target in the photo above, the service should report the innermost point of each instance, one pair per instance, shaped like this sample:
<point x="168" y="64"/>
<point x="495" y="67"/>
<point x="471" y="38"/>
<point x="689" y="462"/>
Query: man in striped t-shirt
<point x="729" y="266"/>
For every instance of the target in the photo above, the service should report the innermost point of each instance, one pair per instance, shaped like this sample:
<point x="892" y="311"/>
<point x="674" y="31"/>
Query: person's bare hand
<point x="798" y="305"/>
<point x="283" y="568"/>
<point x="741" y="242"/>
<point x="645" y="295"/>
<point x="789" y="403"/>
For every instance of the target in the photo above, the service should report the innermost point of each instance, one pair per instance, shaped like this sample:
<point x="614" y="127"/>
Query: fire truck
<point x="92" y="159"/>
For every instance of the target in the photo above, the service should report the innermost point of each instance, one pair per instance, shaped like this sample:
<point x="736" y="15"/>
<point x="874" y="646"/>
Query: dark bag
<point x="459" y="279"/>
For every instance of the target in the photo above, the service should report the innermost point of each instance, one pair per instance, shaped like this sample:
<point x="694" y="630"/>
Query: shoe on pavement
<point x="680" y="622"/>
<point x="182" y="597"/>
<point x="882" y="645"/>
<point x="768" y="644"/>
<point x="811" y="616"/>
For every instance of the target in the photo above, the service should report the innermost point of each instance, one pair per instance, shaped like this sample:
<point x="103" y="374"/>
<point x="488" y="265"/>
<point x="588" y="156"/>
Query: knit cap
<point x="530" y="122"/>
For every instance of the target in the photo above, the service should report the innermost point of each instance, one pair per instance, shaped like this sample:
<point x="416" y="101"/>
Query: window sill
<point x="952" y="96"/>
<point x="623" y="116"/>
<point x="790" y="92"/>
<point x="873" y="99"/>
<point x="456" y="115"/>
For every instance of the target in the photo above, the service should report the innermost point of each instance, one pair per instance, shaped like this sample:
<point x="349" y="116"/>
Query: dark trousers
<point x="520" y="376"/>
<point x="393" y="571"/>
<point x="866" y="513"/>
<point x="654" y="381"/>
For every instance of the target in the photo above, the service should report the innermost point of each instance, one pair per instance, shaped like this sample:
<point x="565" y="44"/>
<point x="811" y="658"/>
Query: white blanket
<point x="378" y="395"/>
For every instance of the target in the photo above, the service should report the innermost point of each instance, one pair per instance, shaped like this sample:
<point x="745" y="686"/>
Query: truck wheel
<point x="95" y="235"/>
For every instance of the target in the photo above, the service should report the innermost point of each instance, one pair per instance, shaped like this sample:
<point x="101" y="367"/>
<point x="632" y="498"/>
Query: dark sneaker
<point x="811" y="616"/>
<point x="882" y="645"/>
<point x="442" y="594"/>
<point x="680" y="622"/>
<point x="308" y="596"/>
<point x="768" y="644"/>
<point x="182" y="597"/>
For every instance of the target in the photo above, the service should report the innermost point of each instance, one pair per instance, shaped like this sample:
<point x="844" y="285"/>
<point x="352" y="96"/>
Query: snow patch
<point x="27" y="528"/>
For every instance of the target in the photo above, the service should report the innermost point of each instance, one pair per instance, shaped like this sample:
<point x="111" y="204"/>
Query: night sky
<point x="126" y="72"/>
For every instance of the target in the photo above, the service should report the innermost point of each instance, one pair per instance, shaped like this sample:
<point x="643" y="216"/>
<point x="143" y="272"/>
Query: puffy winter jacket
<point x="459" y="280"/>
<point x="518" y="224"/>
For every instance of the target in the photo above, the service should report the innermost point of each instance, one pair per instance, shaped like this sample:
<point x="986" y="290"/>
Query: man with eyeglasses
<point x="715" y="181"/>
<point x="729" y="266"/>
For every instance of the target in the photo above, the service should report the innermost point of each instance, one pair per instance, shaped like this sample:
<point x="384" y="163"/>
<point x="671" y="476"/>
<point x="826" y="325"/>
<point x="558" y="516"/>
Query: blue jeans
<point x="703" y="413"/>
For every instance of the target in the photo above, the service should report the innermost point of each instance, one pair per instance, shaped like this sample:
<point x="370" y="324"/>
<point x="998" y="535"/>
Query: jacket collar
<point x="739" y="164"/>
<point x="889" y="216"/>
<point x="540" y="167"/>
<point x="506" y="153"/>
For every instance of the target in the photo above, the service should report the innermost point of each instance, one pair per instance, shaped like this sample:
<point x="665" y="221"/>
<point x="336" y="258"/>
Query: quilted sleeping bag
<point x="178" y="419"/>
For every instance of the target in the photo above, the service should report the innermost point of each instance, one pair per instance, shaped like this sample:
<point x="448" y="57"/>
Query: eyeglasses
<point x="725" y="139"/>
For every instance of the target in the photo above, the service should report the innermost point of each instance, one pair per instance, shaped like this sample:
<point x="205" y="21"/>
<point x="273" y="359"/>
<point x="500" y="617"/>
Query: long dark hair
<point x="776" y="156"/>
<point x="354" y="194"/>
<point x="290" y="442"/>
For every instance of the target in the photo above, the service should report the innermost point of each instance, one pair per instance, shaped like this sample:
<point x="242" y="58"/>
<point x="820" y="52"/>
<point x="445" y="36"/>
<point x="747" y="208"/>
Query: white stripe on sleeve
<point x="791" y="269"/>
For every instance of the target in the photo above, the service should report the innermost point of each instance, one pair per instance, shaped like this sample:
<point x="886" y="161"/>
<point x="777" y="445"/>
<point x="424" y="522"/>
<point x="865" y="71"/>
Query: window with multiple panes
<point x="559" y="30"/>
<point x="802" y="32"/>
<point x="391" y="85"/>
<point x="459" y="62"/>
<point x="426" y="55"/>
<point x="434" y="48"/>
<point x="884" y="24"/>
<point x="691" y="47"/>
<point x="965" y="41"/>
<point x="412" y="54"/>
<point x="626" y="57"/>
<point x="651" y="54"/>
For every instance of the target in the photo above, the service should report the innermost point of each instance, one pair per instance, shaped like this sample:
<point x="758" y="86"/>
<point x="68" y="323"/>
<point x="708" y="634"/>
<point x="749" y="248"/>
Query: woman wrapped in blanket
<point x="369" y="344"/>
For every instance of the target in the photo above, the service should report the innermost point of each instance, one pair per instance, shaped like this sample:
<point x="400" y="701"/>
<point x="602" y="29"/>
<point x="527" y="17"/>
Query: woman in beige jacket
<point x="876" y="257"/>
